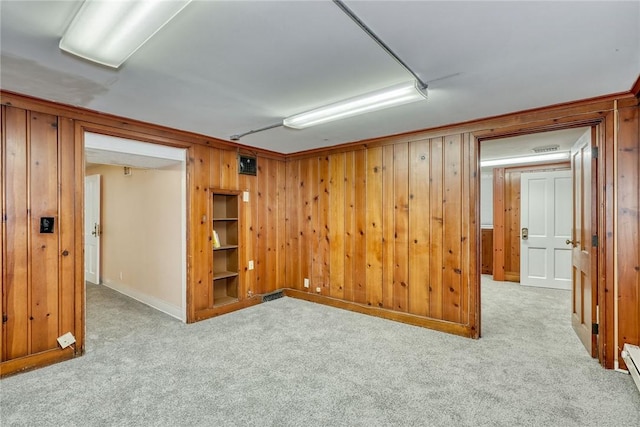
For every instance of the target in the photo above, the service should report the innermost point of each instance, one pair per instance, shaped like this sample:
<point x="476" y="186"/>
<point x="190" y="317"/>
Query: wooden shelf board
<point x="226" y="247"/>
<point x="223" y="274"/>
<point x="225" y="219"/>
<point x="224" y="300"/>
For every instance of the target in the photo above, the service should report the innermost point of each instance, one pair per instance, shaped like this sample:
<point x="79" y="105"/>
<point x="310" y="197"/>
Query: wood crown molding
<point x="121" y="126"/>
<point x="635" y="89"/>
<point x="558" y="116"/>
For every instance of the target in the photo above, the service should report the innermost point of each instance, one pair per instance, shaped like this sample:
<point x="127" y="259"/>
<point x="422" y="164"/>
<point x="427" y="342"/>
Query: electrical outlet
<point x="306" y="282"/>
<point x="318" y="289"/>
<point x="66" y="340"/>
<point x="251" y="265"/>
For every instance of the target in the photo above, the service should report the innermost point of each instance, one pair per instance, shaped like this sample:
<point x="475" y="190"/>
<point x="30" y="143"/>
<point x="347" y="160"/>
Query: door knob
<point x="573" y="243"/>
<point x="96" y="230"/>
<point x="525" y="233"/>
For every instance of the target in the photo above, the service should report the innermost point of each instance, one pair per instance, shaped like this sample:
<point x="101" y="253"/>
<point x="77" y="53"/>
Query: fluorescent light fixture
<point x="392" y="96"/>
<point x="526" y="159"/>
<point x="110" y="31"/>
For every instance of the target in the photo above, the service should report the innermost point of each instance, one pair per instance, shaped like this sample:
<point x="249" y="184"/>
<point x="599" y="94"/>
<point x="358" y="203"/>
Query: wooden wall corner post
<point x="498" y="224"/>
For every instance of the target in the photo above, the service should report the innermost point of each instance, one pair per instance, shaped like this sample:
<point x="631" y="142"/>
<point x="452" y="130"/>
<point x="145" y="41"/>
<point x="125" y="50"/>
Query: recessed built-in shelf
<point x="225" y="248"/>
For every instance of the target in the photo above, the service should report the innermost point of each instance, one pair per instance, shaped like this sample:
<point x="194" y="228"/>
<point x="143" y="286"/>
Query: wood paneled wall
<point x="42" y="170"/>
<point x="628" y="227"/>
<point x="41" y="299"/>
<point x="386" y="227"/>
<point x="261" y="232"/>
<point x="391" y="227"/>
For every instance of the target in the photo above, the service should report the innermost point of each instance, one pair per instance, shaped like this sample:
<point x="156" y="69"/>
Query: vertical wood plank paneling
<point x="360" y="236"/>
<point x="215" y="168"/>
<point x="248" y="236"/>
<point x="306" y="221"/>
<point x="16" y="235"/>
<point x="3" y="237"/>
<point x="200" y="217"/>
<point x="43" y="199"/>
<point x="373" y="275"/>
<point x="388" y="226"/>
<point x="401" y="229"/>
<point x="321" y="262"/>
<point x="452" y="272"/>
<point x="628" y="215"/>
<point x="512" y="226"/>
<point x="67" y="219"/>
<point x="293" y="202"/>
<point x="80" y="290"/>
<point x="436" y="245"/>
<point x="349" y="224"/>
<point x="262" y="226"/>
<point x="337" y="227"/>
<point x="281" y="230"/>
<point x="228" y="169"/>
<point x="419" y="204"/>
<point x="498" y="224"/>
<point x="271" y="234"/>
<point x="470" y="240"/>
<point x="606" y="294"/>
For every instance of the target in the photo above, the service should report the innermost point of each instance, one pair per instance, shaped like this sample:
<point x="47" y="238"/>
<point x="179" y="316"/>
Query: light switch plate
<point x="66" y="340"/>
<point x="245" y="196"/>
<point x="251" y="265"/>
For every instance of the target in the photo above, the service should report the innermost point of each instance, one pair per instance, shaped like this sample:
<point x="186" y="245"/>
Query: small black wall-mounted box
<point x="46" y="224"/>
<point x="247" y="165"/>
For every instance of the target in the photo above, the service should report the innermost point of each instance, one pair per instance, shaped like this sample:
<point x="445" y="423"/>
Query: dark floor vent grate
<point x="271" y="296"/>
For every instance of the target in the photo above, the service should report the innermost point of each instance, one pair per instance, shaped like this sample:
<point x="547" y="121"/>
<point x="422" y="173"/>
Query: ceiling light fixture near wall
<point x="392" y="96"/>
<point x="109" y="32"/>
<point x="546" y="148"/>
<point x="527" y="159"/>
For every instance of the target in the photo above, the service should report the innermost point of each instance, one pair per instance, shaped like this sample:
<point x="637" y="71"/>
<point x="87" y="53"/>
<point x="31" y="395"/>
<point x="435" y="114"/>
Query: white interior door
<point x="546" y="220"/>
<point x="92" y="228"/>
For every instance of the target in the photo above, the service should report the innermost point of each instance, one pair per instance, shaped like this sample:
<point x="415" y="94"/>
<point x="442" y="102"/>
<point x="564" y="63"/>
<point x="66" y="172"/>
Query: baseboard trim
<point x="151" y="301"/>
<point x="408" y="318"/>
<point x="38" y="360"/>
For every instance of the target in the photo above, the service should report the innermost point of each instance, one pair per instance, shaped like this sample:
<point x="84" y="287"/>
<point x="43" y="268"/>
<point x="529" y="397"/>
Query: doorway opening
<point x="532" y="218"/>
<point x="135" y="220"/>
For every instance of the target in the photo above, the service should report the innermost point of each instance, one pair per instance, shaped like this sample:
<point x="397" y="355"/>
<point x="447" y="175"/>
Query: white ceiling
<point x="226" y="67"/>
<point x="524" y="145"/>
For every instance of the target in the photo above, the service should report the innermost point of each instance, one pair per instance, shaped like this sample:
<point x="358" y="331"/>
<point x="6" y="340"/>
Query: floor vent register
<point x="272" y="295"/>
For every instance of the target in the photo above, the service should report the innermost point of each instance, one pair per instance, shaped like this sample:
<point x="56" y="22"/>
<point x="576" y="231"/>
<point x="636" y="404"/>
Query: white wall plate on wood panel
<point x="66" y="340"/>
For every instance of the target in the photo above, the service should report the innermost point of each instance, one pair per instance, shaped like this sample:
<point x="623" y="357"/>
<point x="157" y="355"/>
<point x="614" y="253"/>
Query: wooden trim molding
<point x="635" y="89"/>
<point x="208" y="313"/>
<point x="119" y="126"/>
<point x="403" y="317"/>
<point x="37" y="360"/>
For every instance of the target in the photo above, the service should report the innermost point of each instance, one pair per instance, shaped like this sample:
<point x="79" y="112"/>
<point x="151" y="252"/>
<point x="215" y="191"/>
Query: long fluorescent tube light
<point x="392" y="96"/>
<point x="109" y="32"/>
<point x="526" y="159"/>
